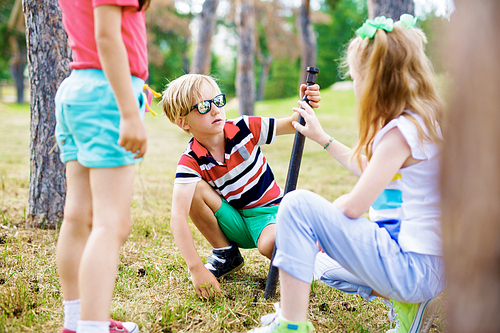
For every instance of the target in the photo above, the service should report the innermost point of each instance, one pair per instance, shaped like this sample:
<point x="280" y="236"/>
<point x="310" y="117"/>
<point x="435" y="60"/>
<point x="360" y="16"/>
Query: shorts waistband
<point x="98" y="74"/>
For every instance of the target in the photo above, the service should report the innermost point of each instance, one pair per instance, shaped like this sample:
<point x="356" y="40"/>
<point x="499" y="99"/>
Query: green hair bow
<point x="369" y="28"/>
<point x="407" y="21"/>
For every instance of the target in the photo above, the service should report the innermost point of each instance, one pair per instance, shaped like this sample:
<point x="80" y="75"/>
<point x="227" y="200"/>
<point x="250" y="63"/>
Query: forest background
<point x="172" y="32"/>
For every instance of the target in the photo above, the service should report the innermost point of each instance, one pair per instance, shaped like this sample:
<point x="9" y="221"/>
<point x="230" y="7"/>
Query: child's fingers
<point x="300" y="111"/>
<point x="312" y="90"/>
<point x="314" y="104"/>
<point x="198" y="293"/>
<point x="306" y="107"/>
<point x="121" y="141"/>
<point x="216" y="287"/>
<point x="209" y="290"/>
<point x="142" y="150"/>
<point x="203" y="293"/>
<point x="298" y="126"/>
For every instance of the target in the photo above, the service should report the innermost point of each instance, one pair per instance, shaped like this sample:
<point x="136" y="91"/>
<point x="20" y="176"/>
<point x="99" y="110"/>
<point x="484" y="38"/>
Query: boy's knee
<point x="266" y="247"/>
<point x="204" y="195"/>
<point x="265" y="244"/>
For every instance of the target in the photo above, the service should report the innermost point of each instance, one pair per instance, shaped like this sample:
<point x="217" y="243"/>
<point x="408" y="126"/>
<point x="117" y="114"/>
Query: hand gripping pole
<point x="291" y="180"/>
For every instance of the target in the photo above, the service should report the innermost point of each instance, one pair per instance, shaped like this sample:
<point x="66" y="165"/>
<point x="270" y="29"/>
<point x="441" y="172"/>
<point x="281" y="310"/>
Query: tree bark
<point x="17" y="65"/>
<point x="308" y="40"/>
<point x="48" y="59"/>
<point x="470" y="174"/>
<point x="202" y="55"/>
<point x="390" y="8"/>
<point x="245" y="81"/>
<point x="266" y="66"/>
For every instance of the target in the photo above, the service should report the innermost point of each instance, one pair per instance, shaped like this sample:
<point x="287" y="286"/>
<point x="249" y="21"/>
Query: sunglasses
<point x="205" y="106"/>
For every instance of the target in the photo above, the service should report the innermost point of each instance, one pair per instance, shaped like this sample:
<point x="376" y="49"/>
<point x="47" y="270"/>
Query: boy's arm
<point x="115" y="65"/>
<point x="284" y="125"/>
<point x="202" y="278"/>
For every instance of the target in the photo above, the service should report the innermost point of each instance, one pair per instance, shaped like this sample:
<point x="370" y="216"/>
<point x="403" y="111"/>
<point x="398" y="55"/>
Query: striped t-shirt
<point x="244" y="179"/>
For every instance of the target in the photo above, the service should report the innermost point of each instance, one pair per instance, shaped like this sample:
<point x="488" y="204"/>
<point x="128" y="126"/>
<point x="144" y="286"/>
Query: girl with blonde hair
<point x="396" y="254"/>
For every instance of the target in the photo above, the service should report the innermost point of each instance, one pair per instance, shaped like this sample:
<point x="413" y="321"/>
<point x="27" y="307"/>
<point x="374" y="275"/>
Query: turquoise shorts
<point x="88" y="120"/>
<point x="244" y="226"/>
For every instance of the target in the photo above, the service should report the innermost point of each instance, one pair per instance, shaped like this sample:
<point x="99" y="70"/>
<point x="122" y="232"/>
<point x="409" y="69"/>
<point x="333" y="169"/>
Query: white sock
<point x="88" y="326"/>
<point x="71" y="314"/>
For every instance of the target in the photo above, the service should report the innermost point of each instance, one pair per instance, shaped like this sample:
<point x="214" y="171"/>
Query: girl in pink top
<point x="100" y="134"/>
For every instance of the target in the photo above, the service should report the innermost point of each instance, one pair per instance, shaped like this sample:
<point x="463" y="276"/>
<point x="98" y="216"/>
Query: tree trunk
<point x="390" y="8"/>
<point x="308" y="40"/>
<point x="202" y="55"/>
<point x="18" y="48"/>
<point x="266" y="66"/>
<point x="48" y="59"/>
<point x="245" y="81"/>
<point x="470" y="178"/>
<point x="17" y="65"/>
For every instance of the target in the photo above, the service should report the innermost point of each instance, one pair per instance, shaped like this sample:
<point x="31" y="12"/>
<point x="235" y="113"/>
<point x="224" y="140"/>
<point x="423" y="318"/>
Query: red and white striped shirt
<point x="244" y="179"/>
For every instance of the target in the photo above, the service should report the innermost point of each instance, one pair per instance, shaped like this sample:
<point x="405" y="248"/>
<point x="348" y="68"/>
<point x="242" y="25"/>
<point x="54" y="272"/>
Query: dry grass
<point x="153" y="286"/>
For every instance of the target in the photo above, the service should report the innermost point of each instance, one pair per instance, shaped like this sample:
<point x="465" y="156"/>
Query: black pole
<point x="291" y="181"/>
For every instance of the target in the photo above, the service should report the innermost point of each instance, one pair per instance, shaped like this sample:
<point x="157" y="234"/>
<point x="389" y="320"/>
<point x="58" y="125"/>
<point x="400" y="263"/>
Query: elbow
<point x="351" y="206"/>
<point x="351" y="209"/>
<point x="101" y="40"/>
<point x="352" y="212"/>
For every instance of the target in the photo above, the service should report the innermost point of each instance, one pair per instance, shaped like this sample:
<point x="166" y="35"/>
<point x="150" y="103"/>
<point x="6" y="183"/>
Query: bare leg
<point x="75" y="228"/>
<point x="294" y="297"/>
<point x="205" y="202"/>
<point x="374" y="293"/>
<point x="265" y="243"/>
<point x="111" y="200"/>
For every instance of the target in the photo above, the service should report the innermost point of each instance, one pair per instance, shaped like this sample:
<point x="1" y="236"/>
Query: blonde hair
<point x="184" y="92"/>
<point x="397" y="75"/>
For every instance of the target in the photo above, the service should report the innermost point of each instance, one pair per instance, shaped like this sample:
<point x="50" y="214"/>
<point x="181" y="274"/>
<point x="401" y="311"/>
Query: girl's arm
<point x="115" y="65"/>
<point x="391" y="154"/>
<point x="314" y="131"/>
<point x="284" y="125"/>
<point x="201" y="276"/>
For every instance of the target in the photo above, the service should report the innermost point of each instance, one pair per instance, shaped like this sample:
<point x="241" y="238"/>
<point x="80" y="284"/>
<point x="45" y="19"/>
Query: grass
<point x="153" y="286"/>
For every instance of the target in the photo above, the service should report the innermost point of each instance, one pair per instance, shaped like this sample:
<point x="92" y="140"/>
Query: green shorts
<point x="244" y="226"/>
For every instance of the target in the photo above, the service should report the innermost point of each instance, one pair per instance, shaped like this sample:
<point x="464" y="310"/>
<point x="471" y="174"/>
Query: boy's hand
<point x="133" y="135"/>
<point x="313" y="94"/>
<point x="204" y="283"/>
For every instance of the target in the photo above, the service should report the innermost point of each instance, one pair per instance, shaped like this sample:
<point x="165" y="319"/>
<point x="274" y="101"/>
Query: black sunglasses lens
<point x="204" y="107"/>
<point x="220" y="100"/>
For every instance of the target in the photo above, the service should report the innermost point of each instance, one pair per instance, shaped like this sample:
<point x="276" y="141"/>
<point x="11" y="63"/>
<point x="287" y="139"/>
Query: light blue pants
<point x="359" y="255"/>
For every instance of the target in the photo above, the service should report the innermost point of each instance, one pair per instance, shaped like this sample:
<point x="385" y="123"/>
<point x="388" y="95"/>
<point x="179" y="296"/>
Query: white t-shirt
<point x="411" y="201"/>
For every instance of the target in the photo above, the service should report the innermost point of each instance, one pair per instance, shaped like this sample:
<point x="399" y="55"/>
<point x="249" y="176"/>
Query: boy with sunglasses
<point x="223" y="182"/>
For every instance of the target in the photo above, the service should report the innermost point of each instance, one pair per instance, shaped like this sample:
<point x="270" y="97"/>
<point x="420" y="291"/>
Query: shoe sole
<point x="428" y="311"/>
<point x="233" y="271"/>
